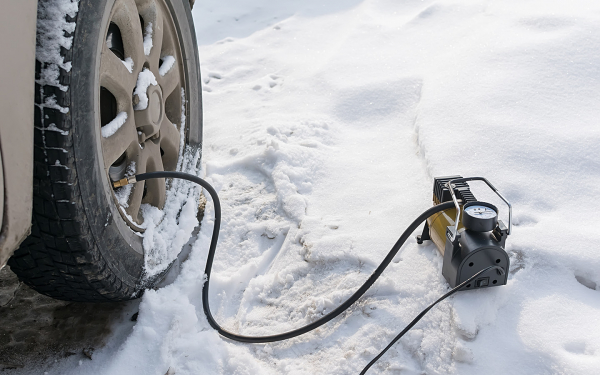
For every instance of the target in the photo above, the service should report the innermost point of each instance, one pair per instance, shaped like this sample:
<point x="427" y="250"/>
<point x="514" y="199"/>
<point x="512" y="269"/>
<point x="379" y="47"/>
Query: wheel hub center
<point x="155" y="111"/>
<point x="148" y="121"/>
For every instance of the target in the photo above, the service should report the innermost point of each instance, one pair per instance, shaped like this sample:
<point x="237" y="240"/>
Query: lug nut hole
<point x="495" y="282"/>
<point x="468" y="285"/>
<point x="471" y="264"/>
<point x="497" y="260"/>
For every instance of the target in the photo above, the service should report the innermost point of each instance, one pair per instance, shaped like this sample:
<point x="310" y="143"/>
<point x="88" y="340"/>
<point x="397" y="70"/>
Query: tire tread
<point x="61" y="258"/>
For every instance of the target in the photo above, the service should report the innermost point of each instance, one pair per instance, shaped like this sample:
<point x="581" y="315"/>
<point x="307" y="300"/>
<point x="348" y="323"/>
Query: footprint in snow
<point x="524" y="221"/>
<point x="207" y="77"/>
<point x="517" y="260"/>
<point x="579" y="347"/>
<point x="587" y="282"/>
<point x="545" y="24"/>
<point x="269" y="82"/>
<point x="226" y="40"/>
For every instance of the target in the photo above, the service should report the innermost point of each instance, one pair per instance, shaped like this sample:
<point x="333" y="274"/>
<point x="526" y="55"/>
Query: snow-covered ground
<point x="324" y="127"/>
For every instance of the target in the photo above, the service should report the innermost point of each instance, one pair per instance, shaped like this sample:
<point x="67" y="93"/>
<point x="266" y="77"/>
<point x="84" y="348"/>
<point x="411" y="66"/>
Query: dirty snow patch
<point x="167" y="64"/>
<point x="124" y="192"/>
<point x="112" y="127"/>
<point x="145" y="79"/>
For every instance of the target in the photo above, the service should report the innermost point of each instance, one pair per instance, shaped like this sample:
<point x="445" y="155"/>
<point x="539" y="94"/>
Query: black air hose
<point x="309" y="327"/>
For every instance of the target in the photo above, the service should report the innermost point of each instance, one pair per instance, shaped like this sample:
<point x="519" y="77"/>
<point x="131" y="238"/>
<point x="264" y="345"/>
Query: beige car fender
<point x="17" y="74"/>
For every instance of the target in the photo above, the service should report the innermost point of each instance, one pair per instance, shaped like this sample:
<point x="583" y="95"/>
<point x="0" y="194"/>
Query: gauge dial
<point x="480" y="212"/>
<point x="480" y="216"/>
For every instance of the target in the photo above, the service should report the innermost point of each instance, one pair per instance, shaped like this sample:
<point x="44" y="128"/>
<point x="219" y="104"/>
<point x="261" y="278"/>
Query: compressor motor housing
<point x="477" y="241"/>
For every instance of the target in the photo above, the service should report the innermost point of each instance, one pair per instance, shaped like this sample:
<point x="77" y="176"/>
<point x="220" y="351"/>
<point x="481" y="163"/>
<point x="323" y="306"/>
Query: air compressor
<point x="469" y="236"/>
<point x="467" y="233"/>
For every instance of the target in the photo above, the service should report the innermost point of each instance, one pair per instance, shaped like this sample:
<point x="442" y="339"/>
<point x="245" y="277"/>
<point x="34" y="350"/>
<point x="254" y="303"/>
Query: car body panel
<point x="17" y="74"/>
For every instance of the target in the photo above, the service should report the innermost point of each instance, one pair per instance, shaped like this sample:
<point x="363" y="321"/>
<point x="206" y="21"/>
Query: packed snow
<point x="54" y="32"/>
<point x="54" y="128"/>
<point x="167" y="230"/>
<point x="115" y="124"/>
<point x="148" y="39"/>
<point x="324" y="126"/>
<point x="145" y="79"/>
<point x="167" y="64"/>
<point x="128" y="62"/>
<point x="122" y="194"/>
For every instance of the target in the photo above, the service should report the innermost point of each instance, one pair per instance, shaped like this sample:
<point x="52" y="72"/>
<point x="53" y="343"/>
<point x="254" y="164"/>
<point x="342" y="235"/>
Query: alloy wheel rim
<point x="141" y="104"/>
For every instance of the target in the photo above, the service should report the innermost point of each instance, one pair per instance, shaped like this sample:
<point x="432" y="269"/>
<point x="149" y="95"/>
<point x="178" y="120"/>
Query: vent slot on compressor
<point x="441" y="193"/>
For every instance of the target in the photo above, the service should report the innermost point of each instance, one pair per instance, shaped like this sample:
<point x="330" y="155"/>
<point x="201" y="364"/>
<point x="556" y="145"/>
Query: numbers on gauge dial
<point x="481" y="212"/>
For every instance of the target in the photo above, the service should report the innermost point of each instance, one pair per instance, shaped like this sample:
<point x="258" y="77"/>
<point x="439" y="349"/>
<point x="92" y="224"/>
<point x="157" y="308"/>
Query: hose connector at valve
<point x="124" y="181"/>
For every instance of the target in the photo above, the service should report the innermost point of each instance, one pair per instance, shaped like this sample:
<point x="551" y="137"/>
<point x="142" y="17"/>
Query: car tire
<point x="84" y="245"/>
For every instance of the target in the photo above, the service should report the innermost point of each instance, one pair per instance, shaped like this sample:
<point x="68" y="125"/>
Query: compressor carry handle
<point x="465" y="179"/>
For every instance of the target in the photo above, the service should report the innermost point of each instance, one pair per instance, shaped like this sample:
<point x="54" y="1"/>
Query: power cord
<point x="422" y="314"/>
<point x="344" y="306"/>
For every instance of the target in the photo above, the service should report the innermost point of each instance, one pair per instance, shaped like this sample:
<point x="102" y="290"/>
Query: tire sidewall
<point x="120" y="246"/>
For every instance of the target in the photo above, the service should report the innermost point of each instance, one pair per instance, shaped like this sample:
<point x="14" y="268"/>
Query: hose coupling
<point x="124" y="181"/>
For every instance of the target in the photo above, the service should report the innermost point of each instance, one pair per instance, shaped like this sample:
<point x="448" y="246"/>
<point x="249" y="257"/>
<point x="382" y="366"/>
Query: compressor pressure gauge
<point x="480" y="216"/>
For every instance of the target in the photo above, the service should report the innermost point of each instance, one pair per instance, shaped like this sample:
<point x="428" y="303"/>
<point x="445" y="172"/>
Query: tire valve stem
<point x="124" y="181"/>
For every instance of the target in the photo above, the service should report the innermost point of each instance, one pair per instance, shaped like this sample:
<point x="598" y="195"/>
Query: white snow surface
<point x="144" y="80"/>
<point x="116" y="123"/>
<point x="324" y="126"/>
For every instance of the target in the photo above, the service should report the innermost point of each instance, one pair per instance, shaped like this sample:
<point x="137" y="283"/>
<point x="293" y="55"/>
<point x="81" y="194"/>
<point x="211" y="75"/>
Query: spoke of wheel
<point x="135" y="199"/>
<point x="157" y="40"/>
<point x="160" y="147"/>
<point x="156" y="192"/>
<point x="115" y="77"/>
<point x="170" y="47"/>
<point x="170" y="81"/>
<point x="169" y="142"/>
<point x="170" y="44"/>
<point x="115" y="145"/>
<point x="127" y="18"/>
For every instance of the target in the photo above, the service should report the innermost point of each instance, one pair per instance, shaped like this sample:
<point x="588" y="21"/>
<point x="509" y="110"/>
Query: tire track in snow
<point x="258" y="220"/>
